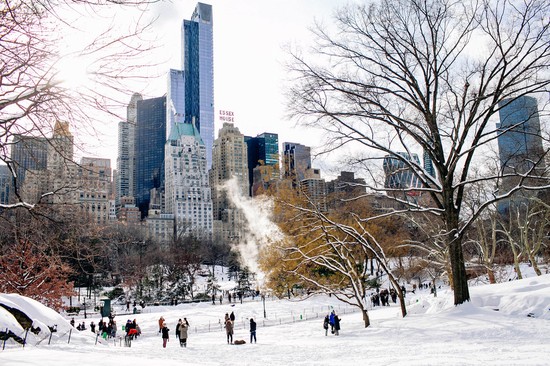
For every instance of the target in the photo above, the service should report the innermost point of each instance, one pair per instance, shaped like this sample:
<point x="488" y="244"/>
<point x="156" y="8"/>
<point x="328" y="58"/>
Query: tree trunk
<point x="460" y="280"/>
<point x="491" y="275"/>
<point x="366" y="317"/>
<point x="516" y="260"/>
<point x="533" y="261"/>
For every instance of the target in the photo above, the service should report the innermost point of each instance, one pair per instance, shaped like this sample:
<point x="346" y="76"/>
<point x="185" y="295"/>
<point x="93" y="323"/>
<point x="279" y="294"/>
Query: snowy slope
<point x="434" y="333"/>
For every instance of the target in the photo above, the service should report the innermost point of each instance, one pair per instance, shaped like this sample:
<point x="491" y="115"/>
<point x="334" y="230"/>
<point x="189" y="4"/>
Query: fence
<point x="279" y="318"/>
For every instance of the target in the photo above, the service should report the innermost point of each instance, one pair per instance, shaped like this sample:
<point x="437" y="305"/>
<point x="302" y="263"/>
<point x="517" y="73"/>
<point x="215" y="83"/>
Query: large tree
<point x="400" y="77"/>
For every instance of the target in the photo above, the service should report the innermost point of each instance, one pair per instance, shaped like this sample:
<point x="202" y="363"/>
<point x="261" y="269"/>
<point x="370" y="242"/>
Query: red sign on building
<point x="227" y="116"/>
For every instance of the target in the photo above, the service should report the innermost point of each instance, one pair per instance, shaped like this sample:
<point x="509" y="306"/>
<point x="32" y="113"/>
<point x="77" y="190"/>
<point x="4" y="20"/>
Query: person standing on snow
<point x="336" y="325"/>
<point x="331" y="321"/>
<point x="183" y="333"/>
<point x="252" y="330"/>
<point x="161" y="323"/>
<point x="178" y="329"/>
<point x="325" y="324"/>
<point x="229" y="330"/>
<point x="165" y="335"/>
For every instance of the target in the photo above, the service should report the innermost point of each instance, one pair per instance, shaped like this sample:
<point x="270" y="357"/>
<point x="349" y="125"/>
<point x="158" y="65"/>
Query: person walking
<point x="232" y="317"/>
<point x="331" y="321"/>
<point x="252" y="330"/>
<point x="325" y="324"/>
<point x="165" y="335"/>
<point x="229" y="331"/>
<point x="178" y="329"/>
<point x="184" y="327"/>
<point x="336" y="325"/>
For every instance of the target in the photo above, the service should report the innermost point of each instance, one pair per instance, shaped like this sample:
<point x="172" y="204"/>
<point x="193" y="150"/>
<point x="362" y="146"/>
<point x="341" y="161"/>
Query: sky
<point x="504" y="324"/>
<point x="250" y="38"/>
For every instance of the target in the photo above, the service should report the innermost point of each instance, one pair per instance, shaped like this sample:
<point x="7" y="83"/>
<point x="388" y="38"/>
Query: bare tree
<point x="399" y="77"/>
<point x="35" y="93"/>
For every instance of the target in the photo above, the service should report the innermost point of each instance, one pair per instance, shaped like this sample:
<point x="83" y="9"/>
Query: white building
<point x="229" y="161"/>
<point x="188" y="195"/>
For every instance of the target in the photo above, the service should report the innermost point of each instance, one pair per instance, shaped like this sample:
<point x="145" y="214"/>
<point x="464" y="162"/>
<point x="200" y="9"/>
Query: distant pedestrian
<point x="336" y="325"/>
<point x="232" y="317"/>
<point x="161" y="323"/>
<point x="165" y="335"/>
<point x="72" y="322"/>
<point x="331" y="321"/>
<point x="325" y="324"/>
<point x="92" y="326"/>
<point x="178" y="328"/>
<point x="229" y="330"/>
<point x="184" y="327"/>
<point x="221" y="299"/>
<point x="252" y="330"/>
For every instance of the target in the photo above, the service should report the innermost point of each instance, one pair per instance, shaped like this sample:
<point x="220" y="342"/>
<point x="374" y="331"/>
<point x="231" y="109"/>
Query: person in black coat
<point x="165" y="335"/>
<point x="336" y="325"/>
<point x="252" y="330"/>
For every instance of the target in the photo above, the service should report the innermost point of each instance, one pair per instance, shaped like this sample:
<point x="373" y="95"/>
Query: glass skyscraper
<point x="175" y="100"/>
<point x="519" y="140"/>
<point x="296" y="161"/>
<point x="150" y="132"/>
<point x="520" y="148"/>
<point x="262" y="150"/>
<point x="399" y="176"/>
<point x="198" y="66"/>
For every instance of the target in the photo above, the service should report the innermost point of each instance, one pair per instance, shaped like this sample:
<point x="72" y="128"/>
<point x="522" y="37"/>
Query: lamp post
<point x="85" y="317"/>
<point x="263" y="300"/>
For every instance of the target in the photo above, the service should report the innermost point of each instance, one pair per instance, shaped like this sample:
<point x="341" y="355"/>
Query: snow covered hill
<point x="505" y="324"/>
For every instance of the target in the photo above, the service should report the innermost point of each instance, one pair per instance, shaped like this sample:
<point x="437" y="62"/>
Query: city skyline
<point x="248" y="68"/>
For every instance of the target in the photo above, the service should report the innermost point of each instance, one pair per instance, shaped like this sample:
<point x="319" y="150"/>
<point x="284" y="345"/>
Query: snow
<point x="493" y="329"/>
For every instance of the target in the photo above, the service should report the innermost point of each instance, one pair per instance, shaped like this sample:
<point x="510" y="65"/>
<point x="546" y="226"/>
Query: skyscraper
<point x="125" y="184"/>
<point x="296" y="162"/>
<point x="263" y="150"/>
<point x="175" y="100"/>
<point x="399" y="176"/>
<point x="519" y="143"/>
<point x="198" y="66"/>
<point x="229" y="161"/>
<point x="28" y="154"/>
<point x="5" y="184"/>
<point x="188" y="195"/>
<point x="150" y="139"/>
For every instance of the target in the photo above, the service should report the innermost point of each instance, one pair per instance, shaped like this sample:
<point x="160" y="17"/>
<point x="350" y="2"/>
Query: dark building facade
<point x="296" y="162"/>
<point x="150" y="133"/>
<point x="263" y="150"/>
<point x="28" y="153"/>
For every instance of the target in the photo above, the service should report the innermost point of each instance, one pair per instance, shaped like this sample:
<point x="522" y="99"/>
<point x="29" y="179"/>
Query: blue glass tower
<point x="198" y="66"/>
<point x="399" y="176"/>
<point x="520" y="147"/>
<point x="150" y="133"/>
<point x="519" y="141"/>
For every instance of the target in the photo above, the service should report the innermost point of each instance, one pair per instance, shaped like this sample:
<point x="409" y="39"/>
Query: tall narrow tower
<point x="198" y="66"/>
<point x="125" y="182"/>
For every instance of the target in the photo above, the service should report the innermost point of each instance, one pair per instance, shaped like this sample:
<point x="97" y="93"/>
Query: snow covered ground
<point x="493" y="329"/>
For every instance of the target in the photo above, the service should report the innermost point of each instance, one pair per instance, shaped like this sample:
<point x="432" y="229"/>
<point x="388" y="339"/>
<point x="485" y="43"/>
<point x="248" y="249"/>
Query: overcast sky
<point x="249" y="76"/>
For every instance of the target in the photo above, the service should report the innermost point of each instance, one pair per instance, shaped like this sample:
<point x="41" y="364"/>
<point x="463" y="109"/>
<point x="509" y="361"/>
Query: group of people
<point x="383" y="297"/>
<point x="229" y="325"/>
<point x="333" y="321"/>
<point x="182" y="331"/>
